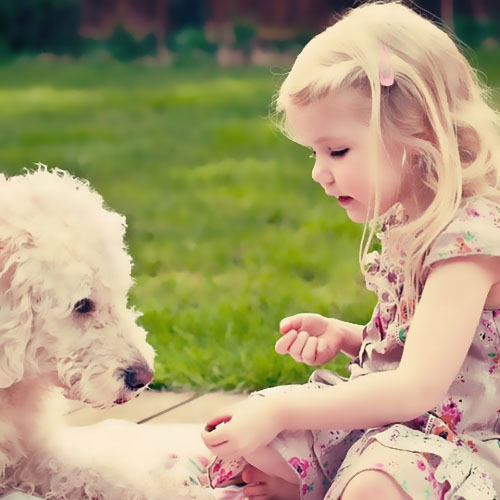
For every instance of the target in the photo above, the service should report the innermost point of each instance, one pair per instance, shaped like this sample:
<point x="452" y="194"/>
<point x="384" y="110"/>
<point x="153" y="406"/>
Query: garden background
<point x="165" y="107"/>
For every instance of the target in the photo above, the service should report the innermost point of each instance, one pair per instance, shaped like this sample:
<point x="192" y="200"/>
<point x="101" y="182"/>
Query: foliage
<point x="30" y="26"/>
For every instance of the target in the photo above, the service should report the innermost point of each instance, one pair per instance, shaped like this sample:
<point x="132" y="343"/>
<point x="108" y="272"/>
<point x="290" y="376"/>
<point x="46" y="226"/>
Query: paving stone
<point x="200" y="409"/>
<point x="148" y="404"/>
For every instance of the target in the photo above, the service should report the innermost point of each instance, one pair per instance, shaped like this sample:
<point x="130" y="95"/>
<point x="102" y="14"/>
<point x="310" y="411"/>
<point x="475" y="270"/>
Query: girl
<point x="402" y="136"/>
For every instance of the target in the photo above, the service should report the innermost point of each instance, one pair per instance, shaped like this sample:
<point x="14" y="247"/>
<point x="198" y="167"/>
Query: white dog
<point x="65" y="324"/>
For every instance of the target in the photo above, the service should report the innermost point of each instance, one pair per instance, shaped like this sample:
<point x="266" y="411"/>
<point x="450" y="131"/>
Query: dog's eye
<point x="84" y="306"/>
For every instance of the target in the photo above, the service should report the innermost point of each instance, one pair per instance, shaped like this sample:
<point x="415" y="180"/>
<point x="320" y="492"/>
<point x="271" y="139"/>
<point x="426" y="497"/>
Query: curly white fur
<point x="59" y="245"/>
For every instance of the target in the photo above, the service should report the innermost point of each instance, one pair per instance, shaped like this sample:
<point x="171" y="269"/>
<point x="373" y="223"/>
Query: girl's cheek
<point x="361" y="180"/>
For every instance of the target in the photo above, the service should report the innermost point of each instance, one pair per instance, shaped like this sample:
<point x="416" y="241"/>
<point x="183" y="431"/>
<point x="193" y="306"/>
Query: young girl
<point x="403" y="138"/>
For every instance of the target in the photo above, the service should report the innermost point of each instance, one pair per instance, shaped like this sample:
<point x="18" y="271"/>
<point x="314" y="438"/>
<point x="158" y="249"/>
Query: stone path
<point x="158" y="407"/>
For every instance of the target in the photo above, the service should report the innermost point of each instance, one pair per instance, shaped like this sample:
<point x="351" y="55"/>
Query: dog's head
<point x="65" y="274"/>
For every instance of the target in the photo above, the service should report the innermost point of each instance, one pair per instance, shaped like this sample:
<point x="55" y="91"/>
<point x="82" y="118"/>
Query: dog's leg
<point x="124" y="461"/>
<point x="112" y="483"/>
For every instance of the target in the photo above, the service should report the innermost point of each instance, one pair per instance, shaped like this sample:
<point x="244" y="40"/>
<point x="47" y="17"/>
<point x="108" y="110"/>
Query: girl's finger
<point x="322" y="353"/>
<point x="226" y="451"/>
<point x="284" y="343"/>
<point x="295" y="349"/>
<point x="291" y="322"/>
<point x="214" y="438"/>
<point x="322" y="345"/>
<point x="255" y="490"/>
<point x="215" y="421"/>
<point x="212" y="443"/>
<point x="285" y="325"/>
<point x="309" y="351"/>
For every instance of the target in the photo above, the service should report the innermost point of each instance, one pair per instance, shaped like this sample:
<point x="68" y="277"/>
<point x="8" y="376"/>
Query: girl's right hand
<point x="310" y="338"/>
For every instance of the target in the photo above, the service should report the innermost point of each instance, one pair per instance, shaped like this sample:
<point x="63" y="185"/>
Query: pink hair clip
<point x="385" y="67"/>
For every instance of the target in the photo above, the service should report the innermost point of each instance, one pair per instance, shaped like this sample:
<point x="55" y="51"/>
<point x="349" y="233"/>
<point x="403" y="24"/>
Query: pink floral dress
<point x="451" y="452"/>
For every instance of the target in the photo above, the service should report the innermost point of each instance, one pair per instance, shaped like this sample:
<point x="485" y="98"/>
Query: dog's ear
<point x="15" y="304"/>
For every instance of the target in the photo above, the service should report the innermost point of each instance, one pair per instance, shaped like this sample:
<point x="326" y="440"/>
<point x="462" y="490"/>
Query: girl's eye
<point x="340" y="152"/>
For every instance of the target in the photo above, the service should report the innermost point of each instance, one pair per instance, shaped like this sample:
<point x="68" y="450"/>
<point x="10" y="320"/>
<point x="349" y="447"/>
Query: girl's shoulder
<point x="475" y="229"/>
<point x="477" y="209"/>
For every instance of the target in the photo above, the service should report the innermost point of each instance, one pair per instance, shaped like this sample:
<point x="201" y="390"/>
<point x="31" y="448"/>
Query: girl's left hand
<point x="248" y="426"/>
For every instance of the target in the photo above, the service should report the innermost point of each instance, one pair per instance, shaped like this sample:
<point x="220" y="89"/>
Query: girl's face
<point x="335" y="128"/>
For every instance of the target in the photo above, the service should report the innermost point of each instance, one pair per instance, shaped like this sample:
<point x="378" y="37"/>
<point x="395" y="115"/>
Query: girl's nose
<point x="321" y="175"/>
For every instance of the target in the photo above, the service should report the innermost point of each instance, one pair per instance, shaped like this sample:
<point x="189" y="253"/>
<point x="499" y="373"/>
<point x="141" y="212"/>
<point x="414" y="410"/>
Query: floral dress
<point x="451" y="452"/>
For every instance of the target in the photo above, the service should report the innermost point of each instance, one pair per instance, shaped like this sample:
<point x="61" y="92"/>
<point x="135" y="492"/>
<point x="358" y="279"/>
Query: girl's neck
<point x="417" y="202"/>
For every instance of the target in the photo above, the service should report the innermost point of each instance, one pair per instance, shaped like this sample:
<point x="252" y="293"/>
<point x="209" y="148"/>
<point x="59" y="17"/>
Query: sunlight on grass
<point x="227" y="230"/>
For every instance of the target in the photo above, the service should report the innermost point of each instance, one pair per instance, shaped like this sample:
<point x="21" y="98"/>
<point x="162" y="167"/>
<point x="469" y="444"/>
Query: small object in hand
<point x="212" y="425"/>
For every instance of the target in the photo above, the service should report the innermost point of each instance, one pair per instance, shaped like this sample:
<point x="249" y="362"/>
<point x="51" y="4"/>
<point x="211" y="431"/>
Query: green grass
<point x="227" y="230"/>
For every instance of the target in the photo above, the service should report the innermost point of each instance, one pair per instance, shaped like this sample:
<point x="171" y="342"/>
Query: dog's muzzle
<point x="136" y="377"/>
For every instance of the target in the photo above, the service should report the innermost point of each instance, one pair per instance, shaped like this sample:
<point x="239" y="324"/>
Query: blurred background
<point x="164" y="106"/>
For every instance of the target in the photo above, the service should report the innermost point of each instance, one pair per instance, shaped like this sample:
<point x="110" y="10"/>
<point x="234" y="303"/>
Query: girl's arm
<point x="439" y="337"/>
<point x="352" y="338"/>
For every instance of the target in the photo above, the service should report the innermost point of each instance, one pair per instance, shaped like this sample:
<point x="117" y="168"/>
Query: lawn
<point x="227" y="230"/>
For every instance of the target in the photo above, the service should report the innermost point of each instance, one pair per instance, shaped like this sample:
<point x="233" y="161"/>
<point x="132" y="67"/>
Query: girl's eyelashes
<point x="334" y="154"/>
<point x="340" y="152"/>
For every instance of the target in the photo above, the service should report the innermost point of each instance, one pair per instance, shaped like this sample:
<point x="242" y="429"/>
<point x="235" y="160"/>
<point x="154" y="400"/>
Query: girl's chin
<point x="359" y="220"/>
<point x="357" y="215"/>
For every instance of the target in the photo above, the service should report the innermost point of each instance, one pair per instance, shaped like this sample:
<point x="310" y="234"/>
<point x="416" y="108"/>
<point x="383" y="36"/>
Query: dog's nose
<point x="137" y="377"/>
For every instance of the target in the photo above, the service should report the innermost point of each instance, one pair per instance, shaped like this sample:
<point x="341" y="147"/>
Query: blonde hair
<point x="437" y="109"/>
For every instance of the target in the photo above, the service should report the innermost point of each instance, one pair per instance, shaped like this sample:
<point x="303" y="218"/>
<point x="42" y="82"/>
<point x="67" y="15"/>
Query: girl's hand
<point x="243" y="428"/>
<point x="310" y="338"/>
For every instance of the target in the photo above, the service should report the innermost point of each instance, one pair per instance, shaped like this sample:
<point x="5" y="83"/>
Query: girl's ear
<point x="15" y="305"/>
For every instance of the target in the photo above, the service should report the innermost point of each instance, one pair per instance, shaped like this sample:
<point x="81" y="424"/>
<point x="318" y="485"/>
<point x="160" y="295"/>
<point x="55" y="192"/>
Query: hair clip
<point x="385" y="67"/>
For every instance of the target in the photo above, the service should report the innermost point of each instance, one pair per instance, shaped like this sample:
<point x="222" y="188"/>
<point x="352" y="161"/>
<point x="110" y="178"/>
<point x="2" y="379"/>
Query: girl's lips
<point x="344" y="200"/>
